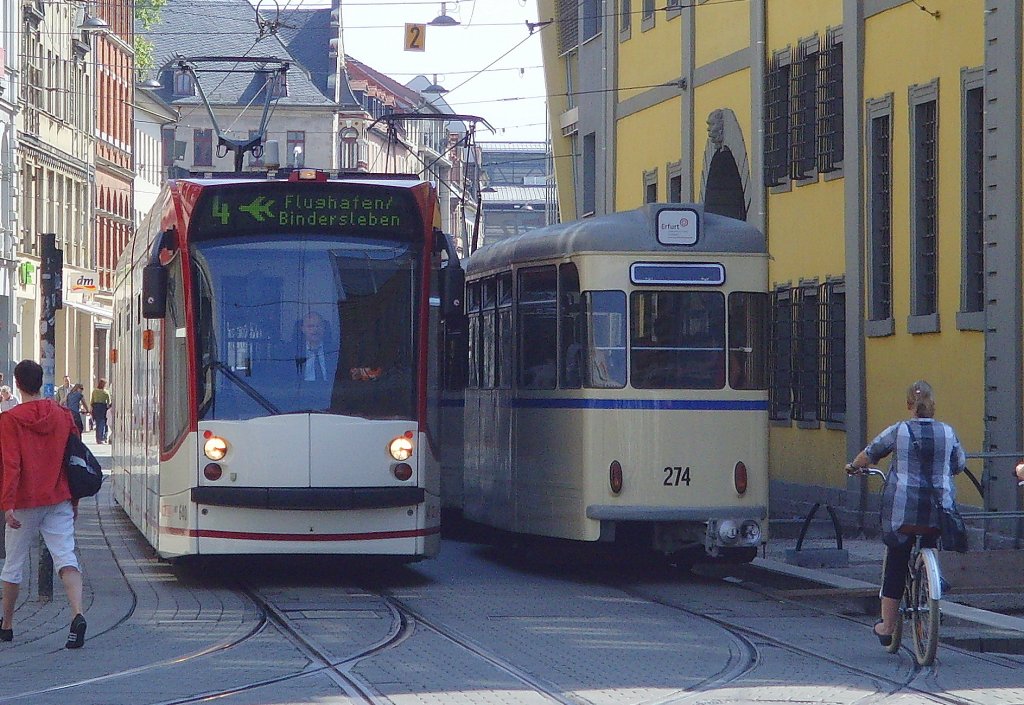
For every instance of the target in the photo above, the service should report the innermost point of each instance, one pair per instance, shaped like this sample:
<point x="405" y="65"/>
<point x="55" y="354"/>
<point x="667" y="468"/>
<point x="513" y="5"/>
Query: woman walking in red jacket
<point x="34" y="495"/>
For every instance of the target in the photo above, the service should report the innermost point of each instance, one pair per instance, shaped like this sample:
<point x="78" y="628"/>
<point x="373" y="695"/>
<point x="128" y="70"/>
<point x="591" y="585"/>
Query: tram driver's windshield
<point x="305" y="324"/>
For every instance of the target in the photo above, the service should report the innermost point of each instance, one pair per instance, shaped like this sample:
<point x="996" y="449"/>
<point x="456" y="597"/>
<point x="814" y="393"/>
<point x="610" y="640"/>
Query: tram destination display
<point x="275" y="207"/>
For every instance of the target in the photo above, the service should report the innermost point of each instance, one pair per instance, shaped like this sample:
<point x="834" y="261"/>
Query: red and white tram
<point x="274" y="366"/>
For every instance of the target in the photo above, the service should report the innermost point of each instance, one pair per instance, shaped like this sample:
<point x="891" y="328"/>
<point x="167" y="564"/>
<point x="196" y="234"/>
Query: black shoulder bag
<point x="953" y="532"/>
<point x="85" y="476"/>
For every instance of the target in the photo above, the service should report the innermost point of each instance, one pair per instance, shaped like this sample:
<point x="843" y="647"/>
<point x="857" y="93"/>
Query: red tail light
<point x="739" y="477"/>
<point x="402" y="471"/>
<point x="615" y="477"/>
<point x="212" y="471"/>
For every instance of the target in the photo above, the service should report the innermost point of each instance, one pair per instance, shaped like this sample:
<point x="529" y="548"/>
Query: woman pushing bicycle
<point x="927" y="455"/>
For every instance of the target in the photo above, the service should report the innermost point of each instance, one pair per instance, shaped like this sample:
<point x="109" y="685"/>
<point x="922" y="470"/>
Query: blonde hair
<point x="921" y="398"/>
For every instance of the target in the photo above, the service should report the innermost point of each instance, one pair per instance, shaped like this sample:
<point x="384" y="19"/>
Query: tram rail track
<point x="912" y="673"/>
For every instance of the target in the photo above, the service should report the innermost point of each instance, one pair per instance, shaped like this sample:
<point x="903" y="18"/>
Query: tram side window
<point x="748" y="340"/>
<point x="174" y="420"/>
<point x="571" y="328"/>
<point x="504" y="341"/>
<point x="538" y="327"/>
<point x="677" y="339"/>
<point x="474" y="349"/>
<point x="605" y="333"/>
<point x="488" y="367"/>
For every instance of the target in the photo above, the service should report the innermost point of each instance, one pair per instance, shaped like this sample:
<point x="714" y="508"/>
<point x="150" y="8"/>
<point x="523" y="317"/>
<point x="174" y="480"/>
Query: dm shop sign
<point x="677" y="226"/>
<point x="313" y="207"/>
<point x="83" y="283"/>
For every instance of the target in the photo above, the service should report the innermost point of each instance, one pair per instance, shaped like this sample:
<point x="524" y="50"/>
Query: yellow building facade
<point x="864" y="138"/>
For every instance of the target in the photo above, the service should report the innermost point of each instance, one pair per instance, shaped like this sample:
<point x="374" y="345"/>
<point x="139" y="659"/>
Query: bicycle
<point x="921" y="595"/>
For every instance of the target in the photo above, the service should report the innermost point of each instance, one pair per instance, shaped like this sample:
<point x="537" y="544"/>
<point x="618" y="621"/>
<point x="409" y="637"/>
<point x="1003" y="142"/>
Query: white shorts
<point x="56" y="522"/>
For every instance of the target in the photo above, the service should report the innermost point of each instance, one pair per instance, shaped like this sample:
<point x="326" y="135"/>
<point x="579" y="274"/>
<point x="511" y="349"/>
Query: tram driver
<point x="316" y="359"/>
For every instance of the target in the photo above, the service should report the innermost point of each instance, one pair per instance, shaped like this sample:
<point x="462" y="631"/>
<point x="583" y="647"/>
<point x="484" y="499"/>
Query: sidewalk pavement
<point x="44" y="622"/>
<point x="998" y="614"/>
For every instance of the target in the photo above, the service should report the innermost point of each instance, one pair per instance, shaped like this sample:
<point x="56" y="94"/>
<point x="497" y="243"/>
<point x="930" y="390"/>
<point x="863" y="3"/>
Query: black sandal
<point x="76" y="637"/>
<point x="883" y="639"/>
<point x="6" y="634"/>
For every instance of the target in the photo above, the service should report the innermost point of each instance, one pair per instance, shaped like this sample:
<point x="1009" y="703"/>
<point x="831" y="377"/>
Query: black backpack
<point x="85" y="476"/>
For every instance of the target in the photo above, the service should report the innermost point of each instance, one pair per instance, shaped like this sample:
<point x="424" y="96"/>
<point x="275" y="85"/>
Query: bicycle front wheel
<point x="925" y="607"/>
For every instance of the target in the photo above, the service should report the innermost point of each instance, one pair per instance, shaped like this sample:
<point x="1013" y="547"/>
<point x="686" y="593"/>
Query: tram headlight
<point x="728" y="531"/>
<point x="215" y="448"/>
<point x="750" y="532"/>
<point x="401" y="447"/>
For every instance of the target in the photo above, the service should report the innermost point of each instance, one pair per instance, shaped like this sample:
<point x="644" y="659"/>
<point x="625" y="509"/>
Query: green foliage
<point x="143" y="54"/>
<point x="147" y="12"/>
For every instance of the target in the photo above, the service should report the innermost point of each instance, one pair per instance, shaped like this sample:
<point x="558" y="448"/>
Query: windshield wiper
<point x="244" y="386"/>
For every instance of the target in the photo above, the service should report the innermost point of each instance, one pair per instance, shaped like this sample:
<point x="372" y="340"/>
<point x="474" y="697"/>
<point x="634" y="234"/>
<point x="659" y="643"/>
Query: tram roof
<point x="628" y="231"/>
<point x="399" y="181"/>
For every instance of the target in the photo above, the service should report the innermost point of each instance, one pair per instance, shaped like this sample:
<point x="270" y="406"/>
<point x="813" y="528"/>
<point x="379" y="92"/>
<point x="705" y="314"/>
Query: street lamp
<point x="444" y="19"/>
<point x="92" y="23"/>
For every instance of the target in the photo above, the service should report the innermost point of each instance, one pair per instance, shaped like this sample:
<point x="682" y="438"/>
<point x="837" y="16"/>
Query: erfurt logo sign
<point x="83" y="283"/>
<point x="677" y="227"/>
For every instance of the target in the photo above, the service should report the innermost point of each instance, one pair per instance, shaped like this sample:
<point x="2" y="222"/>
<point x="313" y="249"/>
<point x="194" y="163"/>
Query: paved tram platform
<point x="118" y="567"/>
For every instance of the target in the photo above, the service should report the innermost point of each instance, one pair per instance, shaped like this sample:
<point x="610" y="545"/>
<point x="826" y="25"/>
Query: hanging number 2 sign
<point x="415" y="37"/>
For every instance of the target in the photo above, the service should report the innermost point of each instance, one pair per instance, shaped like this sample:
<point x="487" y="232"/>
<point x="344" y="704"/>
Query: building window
<point x="973" y="287"/>
<point x="780" y="353"/>
<point x="924" y="203"/>
<point x="183" y="84"/>
<point x="776" y="120"/>
<point x="651" y="186"/>
<point x="803" y="75"/>
<point x="647" y="16"/>
<point x="296" y="148"/>
<point x="349" y="148"/>
<point x="568" y="25"/>
<point x="830" y="103"/>
<point x="589" y="184"/>
<point x="832" y="368"/>
<point x="167" y="147"/>
<point x="879" y="215"/>
<point x="805" y="353"/>
<point x="592" y="17"/>
<point x="675" y="183"/>
<point x="202" y="147"/>
<point x="625" y="18"/>
<point x="278" y="82"/>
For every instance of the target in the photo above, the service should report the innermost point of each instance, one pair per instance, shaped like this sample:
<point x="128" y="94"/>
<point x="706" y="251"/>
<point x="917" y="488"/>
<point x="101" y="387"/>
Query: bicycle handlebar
<point x="854" y="471"/>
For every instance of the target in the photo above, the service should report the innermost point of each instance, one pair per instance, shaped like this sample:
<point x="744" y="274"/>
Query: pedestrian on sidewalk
<point x="35" y="497"/>
<point x="927" y="455"/>
<point x="100" y="403"/>
<point x="7" y="400"/>
<point x="75" y="403"/>
<point x="60" y="394"/>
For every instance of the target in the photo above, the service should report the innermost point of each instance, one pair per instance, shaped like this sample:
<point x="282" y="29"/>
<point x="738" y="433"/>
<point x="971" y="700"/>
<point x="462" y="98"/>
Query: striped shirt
<point x="927" y="455"/>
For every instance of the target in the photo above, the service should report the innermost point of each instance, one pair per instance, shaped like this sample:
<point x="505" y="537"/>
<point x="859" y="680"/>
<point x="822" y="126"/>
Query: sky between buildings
<point x="508" y="94"/>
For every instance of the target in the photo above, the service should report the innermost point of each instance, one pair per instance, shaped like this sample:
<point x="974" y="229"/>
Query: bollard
<point x="45" y="572"/>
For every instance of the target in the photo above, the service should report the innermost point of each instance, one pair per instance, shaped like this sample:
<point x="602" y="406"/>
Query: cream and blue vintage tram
<point x="617" y="383"/>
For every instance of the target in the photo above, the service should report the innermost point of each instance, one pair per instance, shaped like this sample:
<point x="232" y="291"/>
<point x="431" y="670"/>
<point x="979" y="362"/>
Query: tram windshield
<point x="292" y="324"/>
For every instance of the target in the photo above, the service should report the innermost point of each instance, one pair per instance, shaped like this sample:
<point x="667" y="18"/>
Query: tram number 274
<point x="676" y="475"/>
